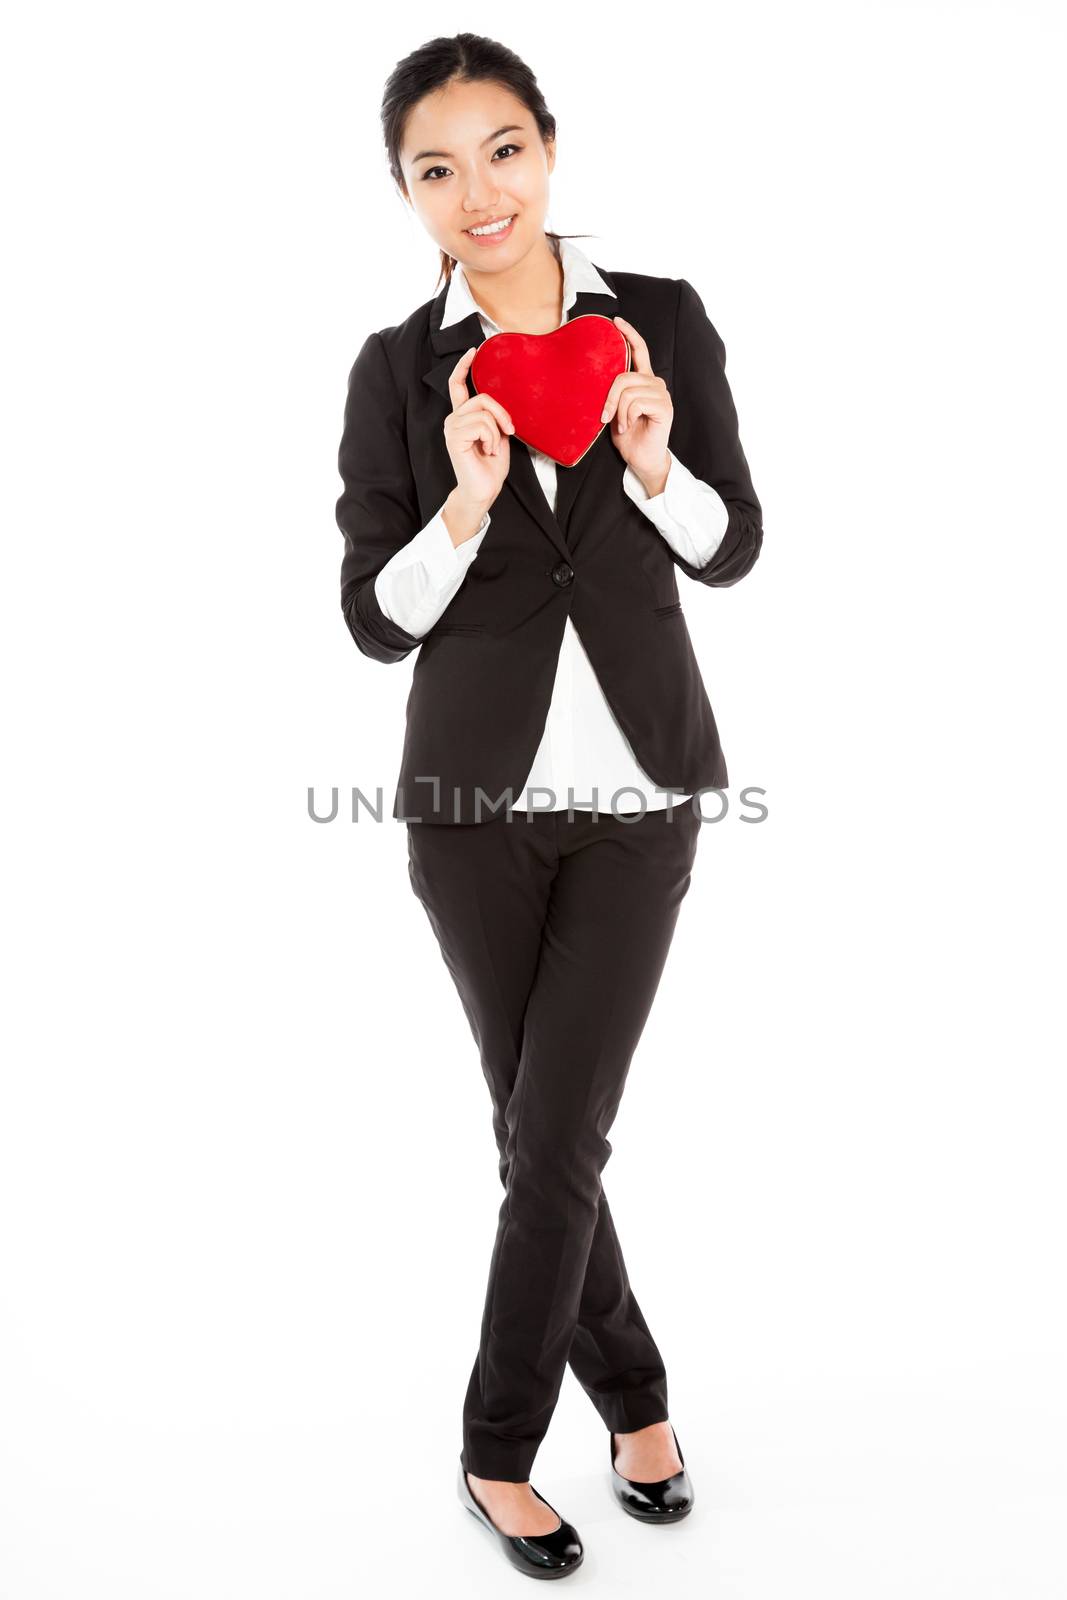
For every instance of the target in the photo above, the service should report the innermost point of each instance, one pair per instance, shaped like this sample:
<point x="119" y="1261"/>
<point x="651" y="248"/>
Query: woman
<point x="558" y="735"/>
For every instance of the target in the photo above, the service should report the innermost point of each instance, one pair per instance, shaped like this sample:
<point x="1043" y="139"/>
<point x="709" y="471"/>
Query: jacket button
<point x="562" y="574"/>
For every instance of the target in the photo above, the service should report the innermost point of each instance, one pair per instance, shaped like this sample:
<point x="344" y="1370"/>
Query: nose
<point x="480" y="198"/>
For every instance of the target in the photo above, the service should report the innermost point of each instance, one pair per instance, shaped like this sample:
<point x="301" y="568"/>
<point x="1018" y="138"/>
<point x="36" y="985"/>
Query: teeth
<point x="494" y="227"/>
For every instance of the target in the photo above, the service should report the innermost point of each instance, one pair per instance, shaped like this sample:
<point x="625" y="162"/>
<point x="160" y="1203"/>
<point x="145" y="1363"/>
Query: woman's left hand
<point x="640" y="411"/>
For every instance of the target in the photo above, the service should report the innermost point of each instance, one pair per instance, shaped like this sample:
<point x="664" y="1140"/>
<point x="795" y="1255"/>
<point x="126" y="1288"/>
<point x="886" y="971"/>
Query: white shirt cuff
<point x="419" y="581"/>
<point x="689" y="513"/>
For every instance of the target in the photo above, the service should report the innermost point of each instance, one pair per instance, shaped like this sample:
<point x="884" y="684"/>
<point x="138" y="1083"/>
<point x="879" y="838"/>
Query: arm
<point x="691" y="515"/>
<point x="376" y="511"/>
<point x="704" y="434"/>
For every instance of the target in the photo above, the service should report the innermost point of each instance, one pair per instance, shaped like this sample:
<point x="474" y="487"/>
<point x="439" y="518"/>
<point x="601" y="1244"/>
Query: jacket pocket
<point x="458" y="627"/>
<point x="671" y="610"/>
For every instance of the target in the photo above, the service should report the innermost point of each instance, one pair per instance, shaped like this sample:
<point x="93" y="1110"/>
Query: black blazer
<point x="483" y="676"/>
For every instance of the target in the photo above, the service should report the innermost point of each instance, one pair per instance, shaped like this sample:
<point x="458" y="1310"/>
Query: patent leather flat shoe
<point x="539" y="1555"/>
<point x="666" y="1500"/>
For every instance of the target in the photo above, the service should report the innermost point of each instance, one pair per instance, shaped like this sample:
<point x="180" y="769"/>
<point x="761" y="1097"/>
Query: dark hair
<point x="463" y="58"/>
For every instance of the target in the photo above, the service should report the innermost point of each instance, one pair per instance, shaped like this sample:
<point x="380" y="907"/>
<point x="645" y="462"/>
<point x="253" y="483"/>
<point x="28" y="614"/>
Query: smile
<point x="491" y="230"/>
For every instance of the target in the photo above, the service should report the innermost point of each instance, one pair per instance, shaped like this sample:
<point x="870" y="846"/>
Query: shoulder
<point x="403" y="348"/>
<point x="410" y="338"/>
<point x="669" y="303"/>
<point x="414" y="330"/>
<point x="643" y="285"/>
<point x="646" y="288"/>
<point x="667" y="311"/>
<point x="676" y="302"/>
<point x="387" y="357"/>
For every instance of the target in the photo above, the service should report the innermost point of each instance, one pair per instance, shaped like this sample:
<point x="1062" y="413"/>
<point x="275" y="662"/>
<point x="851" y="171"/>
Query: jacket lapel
<point x="448" y="344"/>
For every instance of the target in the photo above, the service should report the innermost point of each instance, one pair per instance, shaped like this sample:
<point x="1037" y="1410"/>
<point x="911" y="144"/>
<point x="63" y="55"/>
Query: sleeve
<point x="704" y="434"/>
<point x="691" y="515"/>
<point x="415" y="585"/>
<point x="378" y="510"/>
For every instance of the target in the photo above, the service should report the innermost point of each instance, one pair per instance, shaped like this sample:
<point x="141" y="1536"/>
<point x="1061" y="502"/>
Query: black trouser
<point x="556" y="931"/>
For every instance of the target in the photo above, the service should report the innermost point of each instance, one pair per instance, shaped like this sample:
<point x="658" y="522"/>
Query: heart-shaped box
<point x="553" y="385"/>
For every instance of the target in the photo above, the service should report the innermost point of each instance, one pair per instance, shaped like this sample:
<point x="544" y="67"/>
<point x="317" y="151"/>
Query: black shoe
<point x="539" y="1555"/>
<point x="667" y="1500"/>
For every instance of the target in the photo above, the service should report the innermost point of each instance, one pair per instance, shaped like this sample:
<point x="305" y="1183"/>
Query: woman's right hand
<point x="476" y="434"/>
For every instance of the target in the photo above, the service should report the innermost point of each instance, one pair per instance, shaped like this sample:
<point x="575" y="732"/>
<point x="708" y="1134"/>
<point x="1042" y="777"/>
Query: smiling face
<point x="472" y="155"/>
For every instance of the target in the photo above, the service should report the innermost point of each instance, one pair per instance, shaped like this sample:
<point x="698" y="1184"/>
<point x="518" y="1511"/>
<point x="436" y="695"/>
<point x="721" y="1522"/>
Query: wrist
<point x="654" y="483"/>
<point x="462" y="517"/>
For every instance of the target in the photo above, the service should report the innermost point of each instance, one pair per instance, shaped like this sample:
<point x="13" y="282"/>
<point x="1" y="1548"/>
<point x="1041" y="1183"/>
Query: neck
<point x="527" y="294"/>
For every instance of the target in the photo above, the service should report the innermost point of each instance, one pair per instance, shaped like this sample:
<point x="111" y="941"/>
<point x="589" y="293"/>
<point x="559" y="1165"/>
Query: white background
<point x="246" y="1210"/>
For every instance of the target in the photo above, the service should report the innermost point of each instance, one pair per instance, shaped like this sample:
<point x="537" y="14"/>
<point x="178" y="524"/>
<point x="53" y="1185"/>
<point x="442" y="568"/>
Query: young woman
<point x="558" y="735"/>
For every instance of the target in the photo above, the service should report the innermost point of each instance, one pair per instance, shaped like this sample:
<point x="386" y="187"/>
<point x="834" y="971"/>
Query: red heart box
<point x="553" y="385"/>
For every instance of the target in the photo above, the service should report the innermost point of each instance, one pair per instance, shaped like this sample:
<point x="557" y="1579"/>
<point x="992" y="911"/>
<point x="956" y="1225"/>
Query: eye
<point x="431" y="170"/>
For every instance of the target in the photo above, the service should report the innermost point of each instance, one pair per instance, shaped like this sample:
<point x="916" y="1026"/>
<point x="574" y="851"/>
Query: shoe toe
<point x="667" y="1500"/>
<point x="539" y="1555"/>
<point x="555" y="1552"/>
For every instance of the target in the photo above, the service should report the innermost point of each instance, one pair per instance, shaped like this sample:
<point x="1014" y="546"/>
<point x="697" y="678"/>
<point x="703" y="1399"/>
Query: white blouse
<point x="584" y="758"/>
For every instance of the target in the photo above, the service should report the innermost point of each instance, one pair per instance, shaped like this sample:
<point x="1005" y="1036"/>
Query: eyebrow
<point x="512" y="127"/>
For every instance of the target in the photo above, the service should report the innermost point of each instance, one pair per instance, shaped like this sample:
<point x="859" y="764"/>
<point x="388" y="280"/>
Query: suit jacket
<point x="483" y="676"/>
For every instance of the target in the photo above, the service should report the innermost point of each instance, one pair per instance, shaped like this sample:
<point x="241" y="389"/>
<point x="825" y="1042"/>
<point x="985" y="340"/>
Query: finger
<point x="473" y="426"/>
<point x="486" y="402"/>
<point x="470" y="421"/>
<point x="638" y="347"/>
<point x="618" y="384"/>
<point x="457" y="378"/>
<point x="644" y="400"/>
